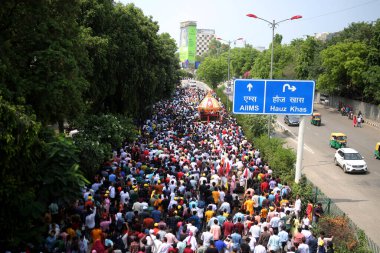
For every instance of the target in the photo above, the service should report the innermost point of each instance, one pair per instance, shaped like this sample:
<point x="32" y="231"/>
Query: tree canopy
<point x="97" y="65"/>
<point x="347" y="63"/>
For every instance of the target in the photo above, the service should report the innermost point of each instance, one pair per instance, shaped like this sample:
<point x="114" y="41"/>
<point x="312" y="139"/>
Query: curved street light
<point x="228" y="77"/>
<point x="273" y="25"/>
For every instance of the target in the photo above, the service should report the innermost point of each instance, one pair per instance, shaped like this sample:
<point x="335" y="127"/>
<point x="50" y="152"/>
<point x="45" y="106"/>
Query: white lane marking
<point x="306" y="147"/>
<point x="295" y="138"/>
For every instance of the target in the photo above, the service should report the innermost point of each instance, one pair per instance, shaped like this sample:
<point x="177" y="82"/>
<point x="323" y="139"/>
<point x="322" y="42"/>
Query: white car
<point x="350" y="160"/>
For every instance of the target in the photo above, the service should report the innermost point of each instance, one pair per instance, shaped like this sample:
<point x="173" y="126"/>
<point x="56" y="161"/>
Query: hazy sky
<point x="228" y="17"/>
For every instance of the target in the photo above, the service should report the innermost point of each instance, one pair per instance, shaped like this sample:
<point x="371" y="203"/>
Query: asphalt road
<point x="357" y="195"/>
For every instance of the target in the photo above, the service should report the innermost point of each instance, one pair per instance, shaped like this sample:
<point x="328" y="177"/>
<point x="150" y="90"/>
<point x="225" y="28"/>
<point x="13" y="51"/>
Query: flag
<point x="220" y="171"/>
<point x="246" y="172"/>
<point x="228" y="168"/>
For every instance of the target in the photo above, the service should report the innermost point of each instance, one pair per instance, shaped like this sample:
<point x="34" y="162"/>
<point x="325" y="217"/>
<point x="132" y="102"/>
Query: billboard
<point x="192" y="43"/>
<point x="188" y="43"/>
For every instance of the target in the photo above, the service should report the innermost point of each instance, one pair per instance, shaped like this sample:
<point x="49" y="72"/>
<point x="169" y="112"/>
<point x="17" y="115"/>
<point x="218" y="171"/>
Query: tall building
<point x="188" y="42"/>
<point x="204" y="36"/>
<point x="321" y="36"/>
<point x="193" y="42"/>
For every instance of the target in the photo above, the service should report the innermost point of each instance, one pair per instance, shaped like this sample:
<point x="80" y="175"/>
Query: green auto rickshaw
<point x="316" y="119"/>
<point x="377" y="151"/>
<point x="338" y="140"/>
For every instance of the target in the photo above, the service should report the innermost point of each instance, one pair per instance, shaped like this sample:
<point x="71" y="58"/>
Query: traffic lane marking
<point x="295" y="138"/>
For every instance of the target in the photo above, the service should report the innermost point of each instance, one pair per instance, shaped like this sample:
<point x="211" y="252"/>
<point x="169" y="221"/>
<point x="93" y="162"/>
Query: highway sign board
<point x="273" y="97"/>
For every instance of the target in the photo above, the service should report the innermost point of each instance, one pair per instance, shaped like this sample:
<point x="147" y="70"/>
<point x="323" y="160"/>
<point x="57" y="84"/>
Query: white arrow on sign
<point x="291" y="88"/>
<point x="249" y="86"/>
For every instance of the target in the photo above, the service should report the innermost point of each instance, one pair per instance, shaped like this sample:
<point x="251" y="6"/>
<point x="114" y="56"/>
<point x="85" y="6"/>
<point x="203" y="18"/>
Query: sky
<point x="228" y="17"/>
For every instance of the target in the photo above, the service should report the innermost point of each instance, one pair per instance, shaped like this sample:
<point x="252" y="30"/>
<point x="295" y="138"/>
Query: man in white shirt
<point x="206" y="237"/>
<point x="260" y="249"/>
<point x="193" y="229"/>
<point x="303" y="247"/>
<point x="90" y="219"/>
<point x="156" y="244"/>
<point x="225" y="206"/>
<point x="274" y="221"/>
<point x="192" y="241"/>
<point x="306" y="232"/>
<point x="297" y="206"/>
<point x="164" y="247"/>
<point x="255" y="230"/>
<point x="136" y="206"/>
<point x="124" y="197"/>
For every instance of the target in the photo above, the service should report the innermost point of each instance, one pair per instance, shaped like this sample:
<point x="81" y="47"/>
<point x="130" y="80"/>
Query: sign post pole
<point x="301" y="132"/>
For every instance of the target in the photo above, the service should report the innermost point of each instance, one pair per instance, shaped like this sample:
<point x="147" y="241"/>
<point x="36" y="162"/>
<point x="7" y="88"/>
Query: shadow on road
<point x="348" y="200"/>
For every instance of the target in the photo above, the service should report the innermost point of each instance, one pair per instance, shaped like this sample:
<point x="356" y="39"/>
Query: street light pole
<point x="228" y="64"/>
<point x="273" y="25"/>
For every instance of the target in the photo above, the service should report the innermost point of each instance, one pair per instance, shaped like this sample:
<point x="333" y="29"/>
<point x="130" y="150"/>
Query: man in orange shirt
<point x="216" y="195"/>
<point x="249" y="206"/>
<point x="148" y="222"/>
<point x="209" y="214"/>
<point x="96" y="233"/>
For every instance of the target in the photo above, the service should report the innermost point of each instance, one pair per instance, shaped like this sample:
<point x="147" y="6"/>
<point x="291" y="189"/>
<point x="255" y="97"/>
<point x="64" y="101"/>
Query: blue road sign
<point x="273" y="97"/>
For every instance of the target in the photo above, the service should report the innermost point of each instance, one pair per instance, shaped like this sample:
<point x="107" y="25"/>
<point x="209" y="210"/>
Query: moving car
<point x="350" y="160"/>
<point x="292" y="120"/>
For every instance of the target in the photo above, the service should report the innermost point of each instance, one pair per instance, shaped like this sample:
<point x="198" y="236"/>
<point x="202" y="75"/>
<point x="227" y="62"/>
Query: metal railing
<point x="331" y="208"/>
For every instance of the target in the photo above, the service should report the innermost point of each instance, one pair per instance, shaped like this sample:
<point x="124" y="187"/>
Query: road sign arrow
<point x="249" y="86"/>
<point x="287" y="86"/>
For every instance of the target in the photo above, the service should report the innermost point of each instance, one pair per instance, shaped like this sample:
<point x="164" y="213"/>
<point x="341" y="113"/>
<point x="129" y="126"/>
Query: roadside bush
<point x="345" y="239"/>
<point x="280" y="159"/>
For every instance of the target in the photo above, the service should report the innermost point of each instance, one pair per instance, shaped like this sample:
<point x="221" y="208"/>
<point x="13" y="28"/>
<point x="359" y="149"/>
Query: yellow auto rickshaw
<point x="338" y="140"/>
<point x="316" y="119"/>
<point x="377" y="150"/>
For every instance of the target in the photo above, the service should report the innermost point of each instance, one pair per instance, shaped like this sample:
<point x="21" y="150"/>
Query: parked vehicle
<point x="338" y="140"/>
<point x="377" y="150"/>
<point x="292" y="120"/>
<point x="350" y="160"/>
<point x="324" y="99"/>
<point x="316" y="119"/>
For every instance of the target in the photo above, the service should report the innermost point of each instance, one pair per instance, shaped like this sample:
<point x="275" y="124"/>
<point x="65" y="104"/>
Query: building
<point x="188" y="42"/>
<point x="204" y="36"/>
<point x="260" y="48"/>
<point x="193" y="42"/>
<point x="321" y="36"/>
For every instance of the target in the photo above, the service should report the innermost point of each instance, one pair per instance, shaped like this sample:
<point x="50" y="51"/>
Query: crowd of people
<point x="186" y="186"/>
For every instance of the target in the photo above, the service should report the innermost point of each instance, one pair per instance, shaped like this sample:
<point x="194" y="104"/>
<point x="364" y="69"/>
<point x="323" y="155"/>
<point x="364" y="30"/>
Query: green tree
<point x="242" y="60"/>
<point x="344" y="66"/>
<point x="47" y="63"/>
<point x="60" y="166"/>
<point x="36" y="168"/>
<point x="281" y="159"/>
<point x="213" y="70"/>
<point x="216" y="48"/>
<point x="308" y="60"/>
<point x="130" y="60"/>
<point x="360" y="31"/>
<point x="97" y="136"/>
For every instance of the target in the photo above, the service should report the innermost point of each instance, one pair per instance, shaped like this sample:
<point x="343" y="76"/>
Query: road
<point x="357" y="195"/>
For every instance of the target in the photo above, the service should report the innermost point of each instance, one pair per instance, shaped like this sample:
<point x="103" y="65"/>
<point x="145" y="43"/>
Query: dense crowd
<point x="186" y="186"/>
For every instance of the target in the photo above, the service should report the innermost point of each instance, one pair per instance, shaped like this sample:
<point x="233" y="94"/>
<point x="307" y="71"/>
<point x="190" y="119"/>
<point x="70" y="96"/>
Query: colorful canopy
<point x="209" y="104"/>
